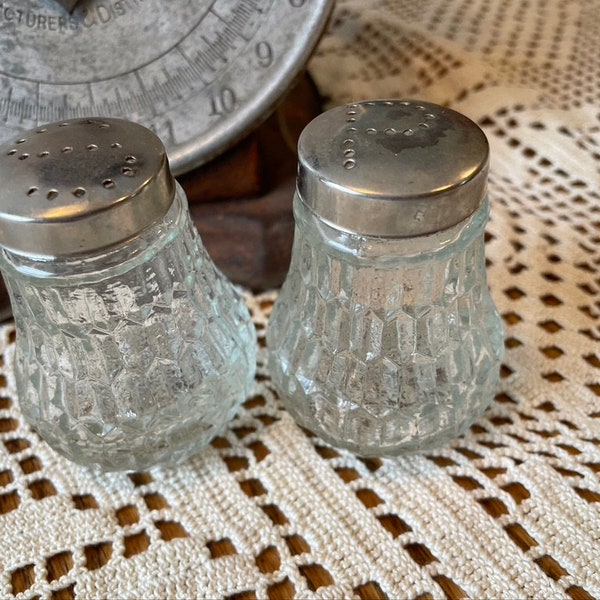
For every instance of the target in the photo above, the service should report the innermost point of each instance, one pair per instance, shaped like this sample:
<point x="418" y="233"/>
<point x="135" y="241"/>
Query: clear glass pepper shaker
<point x="132" y="349"/>
<point x="384" y="338"/>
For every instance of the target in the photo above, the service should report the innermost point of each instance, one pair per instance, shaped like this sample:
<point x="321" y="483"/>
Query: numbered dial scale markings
<point x="200" y="73"/>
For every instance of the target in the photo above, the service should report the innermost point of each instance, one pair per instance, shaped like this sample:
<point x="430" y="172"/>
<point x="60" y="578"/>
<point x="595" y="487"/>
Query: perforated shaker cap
<point x="392" y="168"/>
<point x="81" y="185"/>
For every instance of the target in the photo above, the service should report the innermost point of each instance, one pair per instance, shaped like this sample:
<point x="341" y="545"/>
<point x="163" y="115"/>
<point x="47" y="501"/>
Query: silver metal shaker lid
<point x="392" y="168"/>
<point x="81" y="185"/>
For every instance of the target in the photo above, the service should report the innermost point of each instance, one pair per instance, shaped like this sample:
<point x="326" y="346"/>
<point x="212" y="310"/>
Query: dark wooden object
<point x="242" y="202"/>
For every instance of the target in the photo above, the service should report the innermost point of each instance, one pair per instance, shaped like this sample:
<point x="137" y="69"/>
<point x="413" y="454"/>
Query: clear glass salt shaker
<point x="384" y="339"/>
<point x="132" y="349"/>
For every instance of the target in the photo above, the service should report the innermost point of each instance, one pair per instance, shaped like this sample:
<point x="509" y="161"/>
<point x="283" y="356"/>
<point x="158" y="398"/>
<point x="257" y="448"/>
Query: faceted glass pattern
<point x="385" y="346"/>
<point x="135" y="357"/>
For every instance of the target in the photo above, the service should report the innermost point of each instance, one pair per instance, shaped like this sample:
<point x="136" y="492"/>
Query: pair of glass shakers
<point x="134" y="350"/>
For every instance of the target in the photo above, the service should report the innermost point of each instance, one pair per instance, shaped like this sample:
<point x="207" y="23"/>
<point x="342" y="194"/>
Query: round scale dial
<point x="199" y="73"/>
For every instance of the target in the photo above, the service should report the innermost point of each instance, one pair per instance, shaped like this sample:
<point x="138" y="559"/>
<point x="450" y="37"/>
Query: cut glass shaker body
<point x="384" y="338"/>
<point x="132" y="349"/>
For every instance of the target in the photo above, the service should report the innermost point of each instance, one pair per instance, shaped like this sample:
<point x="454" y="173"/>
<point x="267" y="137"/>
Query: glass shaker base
<point x="408" y="446"/>
<point x="141" y="444"/>
<point x="416" y="428"/>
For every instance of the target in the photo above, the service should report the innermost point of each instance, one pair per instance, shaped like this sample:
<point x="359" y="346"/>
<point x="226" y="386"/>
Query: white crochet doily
<point x="511" y="509"/>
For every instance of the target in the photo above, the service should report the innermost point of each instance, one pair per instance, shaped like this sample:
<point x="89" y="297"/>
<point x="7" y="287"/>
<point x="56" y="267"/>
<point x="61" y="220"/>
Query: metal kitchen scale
<point x="200" y="73"/>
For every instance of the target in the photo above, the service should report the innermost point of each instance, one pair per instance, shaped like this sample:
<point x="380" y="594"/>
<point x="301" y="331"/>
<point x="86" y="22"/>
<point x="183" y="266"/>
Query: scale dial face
<point x="199" y="73"/>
